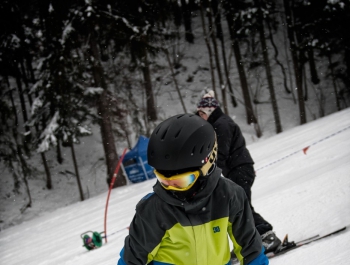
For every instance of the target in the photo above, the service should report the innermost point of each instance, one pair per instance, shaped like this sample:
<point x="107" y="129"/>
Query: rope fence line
<point x="304" y="150"/>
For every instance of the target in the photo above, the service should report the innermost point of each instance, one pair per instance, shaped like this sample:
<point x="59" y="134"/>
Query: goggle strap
<point x="204" y="169"/>
<point x="201" y="173"/>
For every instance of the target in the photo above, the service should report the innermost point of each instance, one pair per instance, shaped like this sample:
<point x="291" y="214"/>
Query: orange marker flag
<point x="305" y="149"/>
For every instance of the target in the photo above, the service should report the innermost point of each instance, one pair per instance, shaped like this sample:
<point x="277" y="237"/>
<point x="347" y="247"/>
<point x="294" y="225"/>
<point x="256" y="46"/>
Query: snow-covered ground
<point x="300" y="194"/>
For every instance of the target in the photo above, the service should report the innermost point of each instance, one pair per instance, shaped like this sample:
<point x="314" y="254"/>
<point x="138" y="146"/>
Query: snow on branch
<point x="48" y="134"/>
<point x="37" y="104"/>
<point x="93" y="91"/>
<point x="66" y="32"/>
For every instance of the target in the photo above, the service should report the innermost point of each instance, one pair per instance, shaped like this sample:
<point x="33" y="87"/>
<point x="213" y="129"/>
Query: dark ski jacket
<point x="168" y="231"/>
<point x="231" y="143"/>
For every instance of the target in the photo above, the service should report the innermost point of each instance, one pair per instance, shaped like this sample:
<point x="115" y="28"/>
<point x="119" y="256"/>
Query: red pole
<point x="110" y="188"/>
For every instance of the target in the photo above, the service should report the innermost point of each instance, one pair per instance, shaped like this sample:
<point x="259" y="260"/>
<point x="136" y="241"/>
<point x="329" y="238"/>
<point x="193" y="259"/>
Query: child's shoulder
<point x="145" y="201"/>
<point x="227" y="185"/>
<point x="147" y="196"/>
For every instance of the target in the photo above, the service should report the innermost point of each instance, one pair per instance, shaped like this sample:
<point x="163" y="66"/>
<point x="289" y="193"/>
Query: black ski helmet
<point x="181" y="142"/>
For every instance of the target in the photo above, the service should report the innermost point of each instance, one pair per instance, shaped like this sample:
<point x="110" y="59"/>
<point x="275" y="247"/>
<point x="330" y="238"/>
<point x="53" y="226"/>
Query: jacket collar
<point x="216" y="114"/>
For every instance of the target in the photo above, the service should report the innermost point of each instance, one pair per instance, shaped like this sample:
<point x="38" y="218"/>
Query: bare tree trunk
<point x="175" y="82"/>
<point x="22" y="100"/>
<point x="21" y="160"/>
<point x="276" y="57"/>
<point x="334" y="83"/>
<point x="209" y="48"/>
<point x="108" y="140"/>
<point x="296" y="63"/>
<point x="243" y="79"/>
<point x="268" y="68"/>
<point x="26" y="82"/>
<point x="216" y="56"/>
<point x="15" y="120"/>
<point x="187" y="15"/>
<point x="312" y="64"/>
<point x="286" y="48"/>
<point x="151" y="108"/>
<point x="220" y="36"/>
<point x="25" y="171"/>
<point x="47" y="172"/>
<point x="59" y="152"/>
<point x="30" y="68"/>
<point x="227" y="73"/>
<point x="306" y="90"/>
<point x="76" y="168"/>
<point x="42" y="154"/>
<point x="242" y="76"/>
<point x="104" y="112"/>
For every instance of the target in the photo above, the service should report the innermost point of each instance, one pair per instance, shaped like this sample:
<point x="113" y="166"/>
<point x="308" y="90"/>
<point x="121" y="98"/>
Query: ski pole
<point x="116" y="232"/>
<point x="110" y="188"/>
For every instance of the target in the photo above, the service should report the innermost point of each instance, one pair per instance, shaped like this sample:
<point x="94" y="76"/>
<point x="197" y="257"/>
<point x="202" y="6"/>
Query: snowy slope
<point x="300" y="194"/>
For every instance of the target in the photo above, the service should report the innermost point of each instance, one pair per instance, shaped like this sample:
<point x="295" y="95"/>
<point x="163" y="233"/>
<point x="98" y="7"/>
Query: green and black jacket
<point x="166" y="230"/>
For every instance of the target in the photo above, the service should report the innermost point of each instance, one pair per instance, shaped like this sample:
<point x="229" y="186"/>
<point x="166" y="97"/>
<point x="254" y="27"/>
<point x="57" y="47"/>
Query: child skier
<point x="193" y="210"/>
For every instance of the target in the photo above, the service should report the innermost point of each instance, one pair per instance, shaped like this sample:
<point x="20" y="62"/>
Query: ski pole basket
<point x="92" y="240"/>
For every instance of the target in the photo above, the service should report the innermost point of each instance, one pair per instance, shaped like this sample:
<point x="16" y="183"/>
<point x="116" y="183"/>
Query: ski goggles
<point x="185" y="181"/>
<point x="180" y="182"/>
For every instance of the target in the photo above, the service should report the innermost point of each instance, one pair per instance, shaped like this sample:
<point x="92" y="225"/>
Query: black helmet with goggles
<point x="181" y="149"/>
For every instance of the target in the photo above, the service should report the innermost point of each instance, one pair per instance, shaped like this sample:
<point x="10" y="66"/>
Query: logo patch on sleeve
<point x="216" y="229"/>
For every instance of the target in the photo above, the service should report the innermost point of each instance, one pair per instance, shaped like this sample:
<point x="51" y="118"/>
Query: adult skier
<point x="235" y="161"/>
<point x="193" y="210"/>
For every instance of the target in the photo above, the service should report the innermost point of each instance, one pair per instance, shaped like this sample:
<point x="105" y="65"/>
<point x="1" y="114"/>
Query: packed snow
<point x="302" y="187"/>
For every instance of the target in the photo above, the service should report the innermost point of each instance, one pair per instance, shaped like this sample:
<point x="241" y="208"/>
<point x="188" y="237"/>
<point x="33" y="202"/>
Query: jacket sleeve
<point x="245" y="238"/>
<point x="259" y="260"/>
<point x="121" y="260"/>
<point x="134" y="251"/>
<point x="144" y="236"/>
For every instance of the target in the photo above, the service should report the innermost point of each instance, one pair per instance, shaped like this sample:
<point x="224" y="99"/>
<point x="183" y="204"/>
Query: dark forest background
<point x="65" y="65"/>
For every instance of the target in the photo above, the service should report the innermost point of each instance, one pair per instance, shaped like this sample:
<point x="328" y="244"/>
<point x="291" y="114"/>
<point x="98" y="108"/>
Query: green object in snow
<point x="92" y="240"/>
